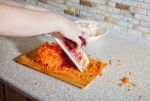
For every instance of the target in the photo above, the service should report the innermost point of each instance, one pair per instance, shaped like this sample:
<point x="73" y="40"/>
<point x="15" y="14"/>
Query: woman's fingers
<point x="71" y="39"/>
<point x="85" y="33"/>
<point x="75" y="33"/>
<point x="77" y="40"/>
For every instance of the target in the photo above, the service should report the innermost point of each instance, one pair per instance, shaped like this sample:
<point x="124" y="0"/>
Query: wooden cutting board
<point x="69" y="74"/>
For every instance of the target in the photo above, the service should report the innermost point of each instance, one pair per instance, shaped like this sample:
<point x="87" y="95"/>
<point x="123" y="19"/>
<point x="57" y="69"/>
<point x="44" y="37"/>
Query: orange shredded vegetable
<point x="51" y="55"/>
<point x="125" y="80"/>
<point x="53" y="58"/>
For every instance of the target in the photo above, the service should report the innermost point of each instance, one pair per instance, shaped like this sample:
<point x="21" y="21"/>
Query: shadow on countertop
<point x="25" y="44"/>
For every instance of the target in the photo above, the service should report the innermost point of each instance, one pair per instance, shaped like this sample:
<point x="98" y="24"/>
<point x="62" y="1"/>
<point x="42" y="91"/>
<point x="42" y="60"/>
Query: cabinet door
<point x="11" y="95"/>
<point x="1" y="92"/>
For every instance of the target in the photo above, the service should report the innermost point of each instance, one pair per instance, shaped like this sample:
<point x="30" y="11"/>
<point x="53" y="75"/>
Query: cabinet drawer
<point x="12" y="95"/>
<point x="1" y="92"/>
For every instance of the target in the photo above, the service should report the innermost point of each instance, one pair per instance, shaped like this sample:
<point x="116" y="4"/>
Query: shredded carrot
<point x="49" y="55"/>
<point x="132" y="84"/>
<point x="125" y="80"/>
<point x="129" y="89"/>
<point x="110" y="62"/>
<point x="53" y="58"/>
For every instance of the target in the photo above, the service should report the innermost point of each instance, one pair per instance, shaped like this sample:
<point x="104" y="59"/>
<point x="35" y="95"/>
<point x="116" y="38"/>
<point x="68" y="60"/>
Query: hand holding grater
<point x="77" y="56"/>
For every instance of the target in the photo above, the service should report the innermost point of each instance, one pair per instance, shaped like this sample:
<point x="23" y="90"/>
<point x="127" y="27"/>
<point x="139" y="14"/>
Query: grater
<point x="77" y="56"/>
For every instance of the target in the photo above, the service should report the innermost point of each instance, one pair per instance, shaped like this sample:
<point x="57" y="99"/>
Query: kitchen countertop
<point x="134" y="57"/>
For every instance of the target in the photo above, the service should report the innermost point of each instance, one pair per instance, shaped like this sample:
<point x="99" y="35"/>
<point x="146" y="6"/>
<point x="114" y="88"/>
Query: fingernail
<point x="83" y="41"/>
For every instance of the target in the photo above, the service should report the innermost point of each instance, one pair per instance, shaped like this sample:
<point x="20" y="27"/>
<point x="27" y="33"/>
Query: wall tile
<point x="131" y="16"/>
<point x="146" y="35"/>
<point x="140" y="28"/>
<point x="145" y="23"/>
<point x="142" y="17"/>
<point x="147" y="1"/>
<point x="122" y="6"/>
<point x="148" y="13"/>
<point x="144" y="5"/>
<point x="140" y="10"/>
<point x="130" y="2"/>
<point x="87" y="3"/>
<point x="110" y="20"/>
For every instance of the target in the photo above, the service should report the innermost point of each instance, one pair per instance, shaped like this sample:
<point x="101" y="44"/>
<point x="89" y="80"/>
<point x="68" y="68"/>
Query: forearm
<point x="23" y="22"/>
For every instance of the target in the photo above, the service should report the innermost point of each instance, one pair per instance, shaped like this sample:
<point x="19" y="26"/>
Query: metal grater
<point x="80" y="64"/>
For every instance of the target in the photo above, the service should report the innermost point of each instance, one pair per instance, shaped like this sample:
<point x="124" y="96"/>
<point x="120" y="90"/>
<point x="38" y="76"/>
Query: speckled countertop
<point x="134" y="57"/>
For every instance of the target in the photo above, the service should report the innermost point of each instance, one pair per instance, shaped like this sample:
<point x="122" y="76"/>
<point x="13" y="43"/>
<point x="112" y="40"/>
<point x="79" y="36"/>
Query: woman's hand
<point x="74" y="32"/>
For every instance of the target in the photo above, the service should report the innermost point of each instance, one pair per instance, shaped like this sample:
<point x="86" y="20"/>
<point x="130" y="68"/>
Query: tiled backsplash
<point x="132" y="16"/>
